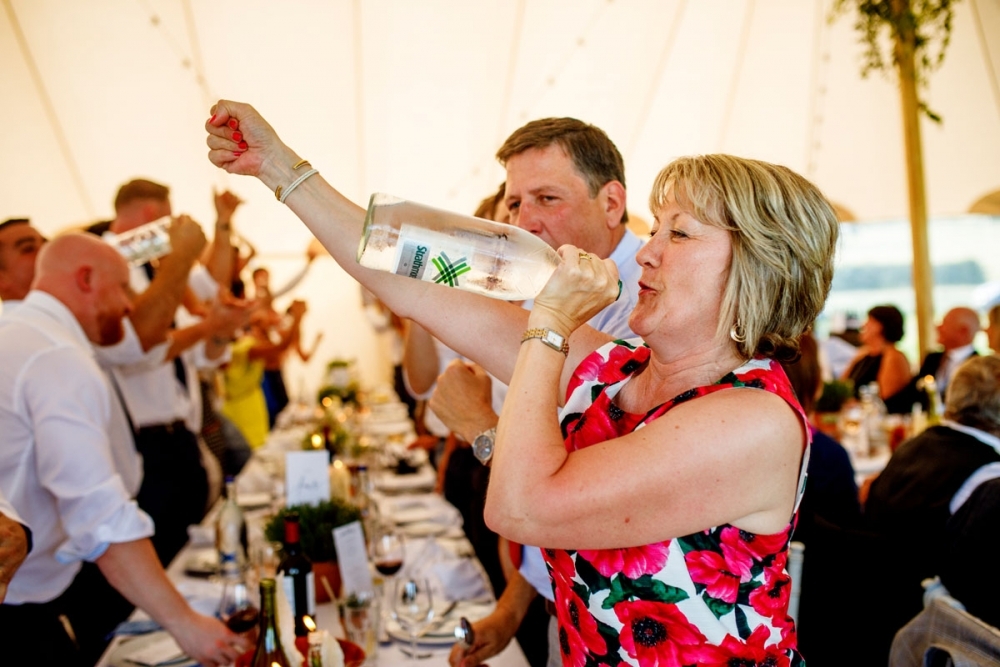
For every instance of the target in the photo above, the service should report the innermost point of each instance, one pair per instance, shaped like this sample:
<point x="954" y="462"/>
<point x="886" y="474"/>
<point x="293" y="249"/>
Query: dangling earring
<point x="737" y="334"/>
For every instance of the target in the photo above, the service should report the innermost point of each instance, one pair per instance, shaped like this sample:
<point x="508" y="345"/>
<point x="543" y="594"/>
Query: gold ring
<point x="584" y="255"/>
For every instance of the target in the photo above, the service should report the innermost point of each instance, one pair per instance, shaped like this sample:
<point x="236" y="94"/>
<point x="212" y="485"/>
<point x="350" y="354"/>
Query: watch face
<point x="482" y="448"/>
<point x="553" y="339"/>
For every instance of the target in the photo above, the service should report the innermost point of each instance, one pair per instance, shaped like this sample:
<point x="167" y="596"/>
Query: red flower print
<point x="751" y="653"/>
<point x="657" y="634"/>
<point x="633" y="562"/>
<point x="560" y="562"/>
<point x="742" y="548"/>
<point x="712" y="570"/>
<point x="597" y="426"/>
<point x="578" y="634"/>
<point x="586" y="372"/>
<point x="771" y="598"/>
<point x="611" y="372"/>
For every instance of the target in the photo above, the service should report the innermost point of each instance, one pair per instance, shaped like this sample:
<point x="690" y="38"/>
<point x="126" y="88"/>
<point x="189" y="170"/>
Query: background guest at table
<point x="19" y="246"/>
<point x="830" y="502"/>
<point x="878" y="360"/>
<point x="244" y="402"/>
<point x="15" y="544"/>
<point x="54" y="407"/>
<point x="955" y="334"/>
<point x="971" y="544"/>
<point x="993" y="328"/>
<point x="683" y="459"/>
<point x="908" y="503"/>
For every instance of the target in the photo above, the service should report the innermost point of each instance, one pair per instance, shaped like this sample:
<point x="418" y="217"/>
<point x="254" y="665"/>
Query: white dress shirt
<point x="56" y="467"/>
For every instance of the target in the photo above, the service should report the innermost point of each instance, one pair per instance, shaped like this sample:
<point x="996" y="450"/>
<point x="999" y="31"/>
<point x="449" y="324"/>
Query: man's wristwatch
<point x="482" y="446"/>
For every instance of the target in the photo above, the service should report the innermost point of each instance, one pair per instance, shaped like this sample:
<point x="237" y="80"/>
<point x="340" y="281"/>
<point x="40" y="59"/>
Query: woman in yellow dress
<point x="244" y="404"/>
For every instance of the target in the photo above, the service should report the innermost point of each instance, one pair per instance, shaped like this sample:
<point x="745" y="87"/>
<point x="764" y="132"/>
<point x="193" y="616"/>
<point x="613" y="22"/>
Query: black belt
<point x="164" y="428"/>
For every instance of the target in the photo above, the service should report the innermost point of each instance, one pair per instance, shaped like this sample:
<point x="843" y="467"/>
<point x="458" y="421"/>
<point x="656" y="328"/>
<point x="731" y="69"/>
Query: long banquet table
<point x="446" y="546"/>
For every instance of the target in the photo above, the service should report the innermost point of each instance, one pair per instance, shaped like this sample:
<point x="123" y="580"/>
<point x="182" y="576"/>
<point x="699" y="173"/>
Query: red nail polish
<point x="233" y="123"/>
<point x="237" y="136"/>
<point x="212" y="119"/>
<point x="243" y="145"/>
<point x="237" y="153"/>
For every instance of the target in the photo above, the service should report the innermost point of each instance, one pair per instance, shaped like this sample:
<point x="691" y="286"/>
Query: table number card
<point x="307" y="481"/>
<point x="352" y="557"/>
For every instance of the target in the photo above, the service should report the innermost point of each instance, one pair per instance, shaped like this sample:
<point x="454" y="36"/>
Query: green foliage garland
<point x="930" y="22"/>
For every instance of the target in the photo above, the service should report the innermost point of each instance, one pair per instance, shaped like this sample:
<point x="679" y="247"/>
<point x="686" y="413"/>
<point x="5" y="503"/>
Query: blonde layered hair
<point x="784" y="234"/>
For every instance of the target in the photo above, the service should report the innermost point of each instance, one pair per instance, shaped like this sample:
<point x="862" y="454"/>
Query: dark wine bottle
<point x="269" y="651"/>
<point x="298" y="581"/>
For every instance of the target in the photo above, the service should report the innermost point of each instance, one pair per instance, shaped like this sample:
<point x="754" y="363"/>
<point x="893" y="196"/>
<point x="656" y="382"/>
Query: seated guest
<point x="972" y="541"/>
<point x="908" y="503"/>
<point x="831" y="491"/>
<point x="878" y="360"/>
<point x="956" y="332"/>
<point x="54" y="408"/>
<point x="993" y="329"/>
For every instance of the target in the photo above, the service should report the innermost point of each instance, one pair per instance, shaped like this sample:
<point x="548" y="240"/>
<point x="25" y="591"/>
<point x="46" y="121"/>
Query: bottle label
<point x="427" y="255"/>
<point x="289" y="586"/>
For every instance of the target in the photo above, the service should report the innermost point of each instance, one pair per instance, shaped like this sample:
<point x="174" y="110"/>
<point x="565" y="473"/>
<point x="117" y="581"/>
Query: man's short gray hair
<point x="973" y="395"/>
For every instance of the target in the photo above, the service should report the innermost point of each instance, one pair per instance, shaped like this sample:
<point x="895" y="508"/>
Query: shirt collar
<point x="43" y="309"/>
<point x="626" y="248"/>
<point x="981" y="436"/>
<point x="960" y="353"/>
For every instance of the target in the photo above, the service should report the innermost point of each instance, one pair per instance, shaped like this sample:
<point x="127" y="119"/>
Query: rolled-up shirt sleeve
<point x="73" y="456"/>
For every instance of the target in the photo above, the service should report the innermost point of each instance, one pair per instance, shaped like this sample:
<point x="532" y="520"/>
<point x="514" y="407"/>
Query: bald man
<point x="955" y="334"/>
<point x="56" y="468"/>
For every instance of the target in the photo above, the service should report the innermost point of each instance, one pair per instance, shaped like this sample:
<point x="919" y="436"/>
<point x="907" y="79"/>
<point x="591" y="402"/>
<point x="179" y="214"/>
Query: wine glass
<point x="413" y="608"/>
<point x="387" y="552"/>
<point x="238" y="609"/>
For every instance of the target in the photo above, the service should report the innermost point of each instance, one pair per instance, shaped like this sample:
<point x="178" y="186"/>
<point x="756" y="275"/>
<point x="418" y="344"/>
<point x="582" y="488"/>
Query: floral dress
<point x="716" y="597"/>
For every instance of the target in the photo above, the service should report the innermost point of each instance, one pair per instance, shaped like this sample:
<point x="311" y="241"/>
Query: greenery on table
<point x="348" y="394"/>
<point x="929" y="21"/>
<point x="316" y="524"/>
<point x="835" y="394"/>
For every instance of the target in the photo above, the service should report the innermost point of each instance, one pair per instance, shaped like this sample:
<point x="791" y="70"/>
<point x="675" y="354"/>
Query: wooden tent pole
<point x="923" y="278"/>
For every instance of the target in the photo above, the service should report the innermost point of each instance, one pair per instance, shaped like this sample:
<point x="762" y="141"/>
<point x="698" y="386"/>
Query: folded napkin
<point x="460" y="580"/>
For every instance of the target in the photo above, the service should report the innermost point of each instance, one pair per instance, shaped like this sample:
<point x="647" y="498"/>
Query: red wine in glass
<point x="243" y="620"/>
<point x="388" y="567"/>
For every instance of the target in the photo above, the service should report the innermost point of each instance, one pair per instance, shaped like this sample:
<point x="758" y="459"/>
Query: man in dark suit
<point x="955" y="334"/>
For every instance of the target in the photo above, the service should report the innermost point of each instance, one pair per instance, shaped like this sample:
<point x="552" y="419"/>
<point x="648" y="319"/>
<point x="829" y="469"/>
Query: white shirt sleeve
<point x="73" y="456"/>
<point x="8" y="510"/>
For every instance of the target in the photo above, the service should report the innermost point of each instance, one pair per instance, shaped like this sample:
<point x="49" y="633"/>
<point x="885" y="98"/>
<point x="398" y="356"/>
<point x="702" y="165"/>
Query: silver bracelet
<point x="298" y="181"/>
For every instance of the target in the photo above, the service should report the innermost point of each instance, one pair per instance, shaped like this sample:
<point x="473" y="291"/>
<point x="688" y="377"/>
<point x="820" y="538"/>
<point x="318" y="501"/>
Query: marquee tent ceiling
<point x="412" y="97"/>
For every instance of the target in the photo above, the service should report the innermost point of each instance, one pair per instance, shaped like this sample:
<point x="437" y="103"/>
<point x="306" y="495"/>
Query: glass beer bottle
<point x="489" y="258"/>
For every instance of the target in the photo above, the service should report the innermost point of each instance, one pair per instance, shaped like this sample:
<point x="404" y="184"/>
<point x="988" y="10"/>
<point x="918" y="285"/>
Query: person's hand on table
<point x="492" y="634"/>
<point x="208" y="640"/>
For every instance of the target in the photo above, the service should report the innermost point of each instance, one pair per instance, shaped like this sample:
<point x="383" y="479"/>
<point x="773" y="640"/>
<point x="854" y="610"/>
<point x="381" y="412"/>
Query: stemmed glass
<point x="413" y="608"/>
<point x="238" y="609"/>
<point x="387" y="552"/>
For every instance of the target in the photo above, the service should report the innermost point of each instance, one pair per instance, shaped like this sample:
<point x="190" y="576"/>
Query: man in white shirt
<point x="56" y="467"/>
<point x="565" y="184"/>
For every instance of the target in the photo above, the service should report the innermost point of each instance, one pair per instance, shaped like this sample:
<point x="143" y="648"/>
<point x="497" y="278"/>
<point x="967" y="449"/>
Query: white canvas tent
<point x="413" y="97"/>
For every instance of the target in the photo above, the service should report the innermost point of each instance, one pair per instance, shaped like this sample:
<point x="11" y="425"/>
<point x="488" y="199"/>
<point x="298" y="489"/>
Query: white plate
<point x="125" y="653"/>
<point x="424" y="529"/>
<point x="202" y="562"/>
<point x="413" y="515"/>
<point x="253" y="500"/>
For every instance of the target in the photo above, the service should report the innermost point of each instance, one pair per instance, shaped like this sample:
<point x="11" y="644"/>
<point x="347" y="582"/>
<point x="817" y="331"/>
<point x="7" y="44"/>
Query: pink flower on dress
<point x="771" y="598"/>
<point x="578" y="634"/>
<point x="656" y="633"/>
<point x="742" y="548"/>
<point x="587" y="371"/>
<point x="633" y="562"/>
<point x="752" y="653"/>
<point x="712" y="570"/>
<point x="597" y="426"/>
